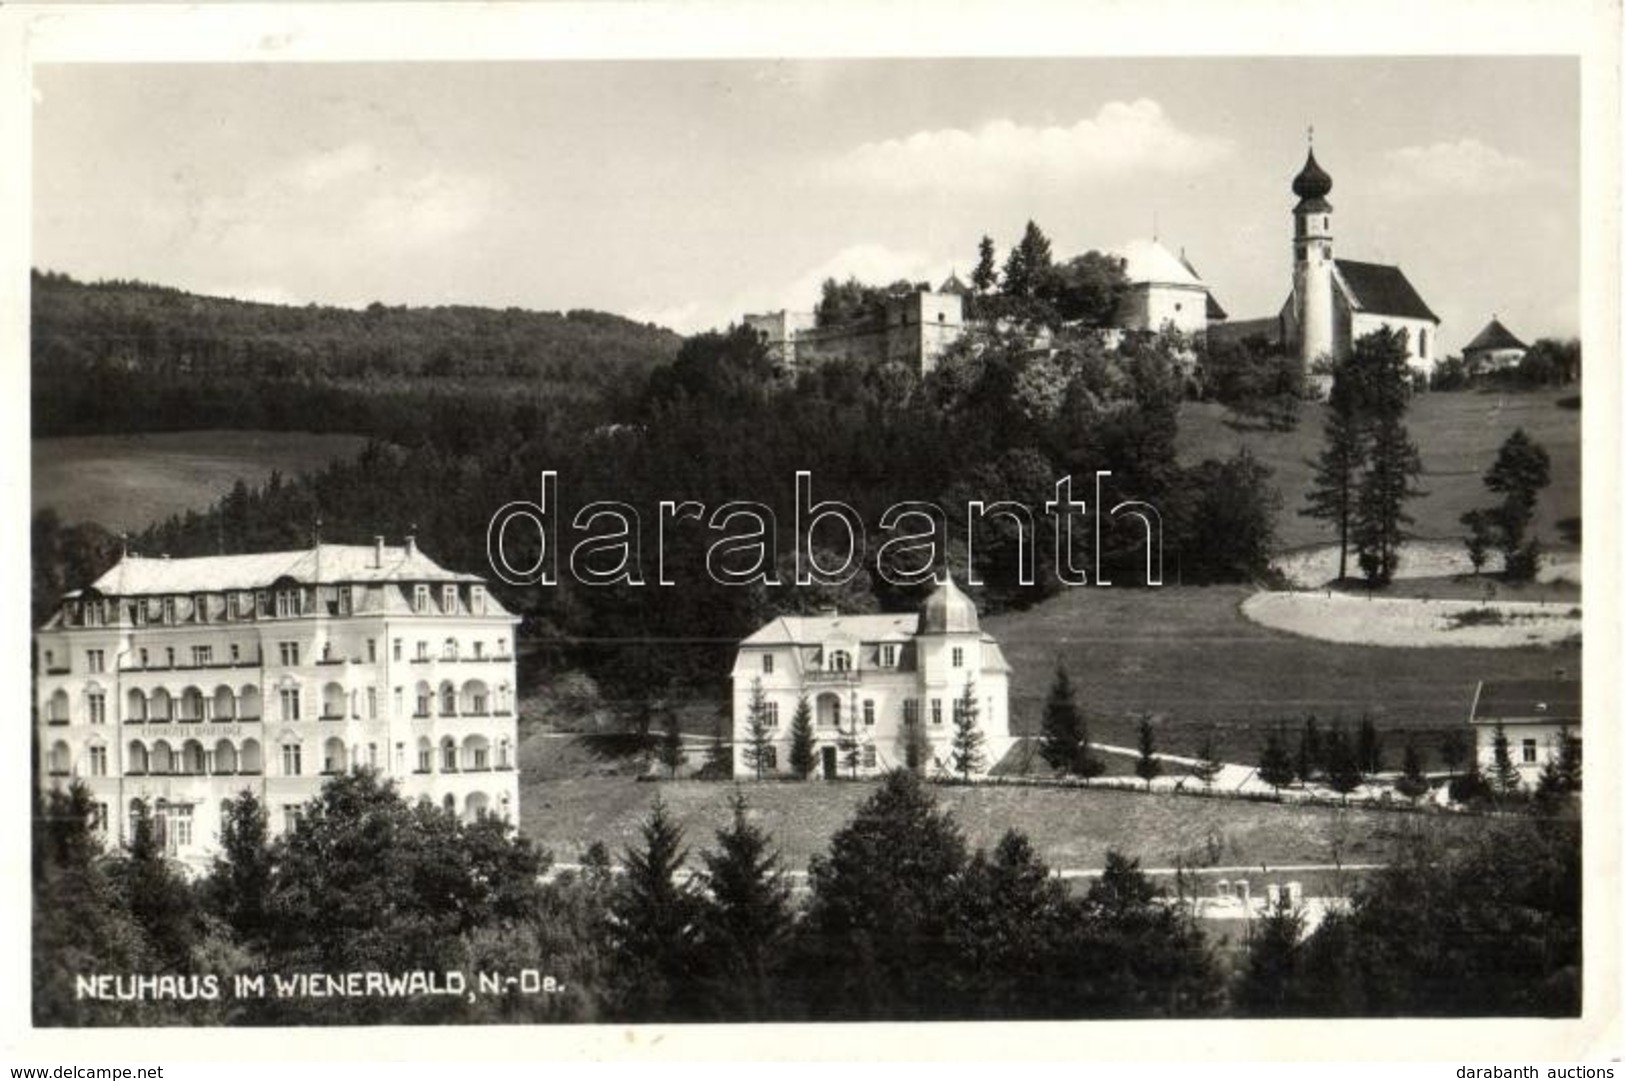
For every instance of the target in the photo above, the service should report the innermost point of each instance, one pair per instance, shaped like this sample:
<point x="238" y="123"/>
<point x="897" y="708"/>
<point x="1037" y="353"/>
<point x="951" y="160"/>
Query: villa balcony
<point x="836" y="677"/>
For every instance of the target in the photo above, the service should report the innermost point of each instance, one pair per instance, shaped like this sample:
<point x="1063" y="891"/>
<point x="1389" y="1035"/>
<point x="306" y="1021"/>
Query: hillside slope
<point x="1458" y="434"/>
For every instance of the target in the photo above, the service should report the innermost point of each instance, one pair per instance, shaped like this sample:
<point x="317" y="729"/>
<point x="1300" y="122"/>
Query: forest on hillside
<point x="124" y="356"/>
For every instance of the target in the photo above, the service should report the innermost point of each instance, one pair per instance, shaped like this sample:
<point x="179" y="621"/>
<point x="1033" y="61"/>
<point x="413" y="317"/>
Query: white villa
<point x="1534" y="713"/>
<point x="870" y="679"/>
<point x="170" y="685"/>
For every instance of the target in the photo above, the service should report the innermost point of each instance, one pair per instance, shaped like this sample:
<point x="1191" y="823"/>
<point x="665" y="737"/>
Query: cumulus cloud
<point x="1123" y="139"/>
<point x="1465" y="165"/>
<point x="874" y="264"/>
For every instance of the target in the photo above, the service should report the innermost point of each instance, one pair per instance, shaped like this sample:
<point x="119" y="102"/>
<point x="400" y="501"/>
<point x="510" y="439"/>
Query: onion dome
<point x="947" y="610"/>
<point x="1312" y="182"/>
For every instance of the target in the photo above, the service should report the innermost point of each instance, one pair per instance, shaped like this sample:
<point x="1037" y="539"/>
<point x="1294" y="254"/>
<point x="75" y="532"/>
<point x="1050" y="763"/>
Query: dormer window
<point x="840" y="661"/>
<point x="344" y="600"/>
<point x="200" y="608"/>
<point x="448" y="599"/>
<point x="888" y="656"/>
<point x="420" y="599"/>
<point x="287" y="603"/>
<point x="169" y="609"/>
<point x="476" y="599"/>
<point x="233" y="605"/>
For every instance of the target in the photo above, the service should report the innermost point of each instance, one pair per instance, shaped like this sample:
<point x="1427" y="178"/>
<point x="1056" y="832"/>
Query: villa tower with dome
<point x="869" y="680"/>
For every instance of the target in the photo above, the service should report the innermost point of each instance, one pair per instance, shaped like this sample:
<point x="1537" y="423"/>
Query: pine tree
<point x="671" y="743"/>
<point x="1568" y="760"/>
<point x="1342" y="762"/>
<point x="849" y="745"/>
<point x="653" y="926"/>
<point x="802" y="740"/>
<point x="1454" y="747"/>
<point x="1273" y="960"/>
<point x="758" y="734"/>
<point x="240" y="875"/>
<point x="967" y="755"/>
<point x="1027" y="264"/>
<point x="1480" y="537"/>
<point x="1335" y="476"/>
<point x="744" y="922"/>
<point x="1503" y="774"/>
<point x="1147" y="767"/>
<point x="1521" y="469"/>
<point x="1062" y="732"/>
<point x="1369" y="749"/>
<point x="1275" y="764"/>
<point x="917" y="750"/>
<point x="1393" y="463"/>
<point x="1413" y="783"/>
<point x="718" y="762"/>
<point x="985" y="276"/>
<point x="1208" y="763"/>
<point x="1311" y="754"/>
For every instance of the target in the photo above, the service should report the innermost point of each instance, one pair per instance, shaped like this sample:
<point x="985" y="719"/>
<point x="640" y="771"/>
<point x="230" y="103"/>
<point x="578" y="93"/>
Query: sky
<point x="689" y="192"/>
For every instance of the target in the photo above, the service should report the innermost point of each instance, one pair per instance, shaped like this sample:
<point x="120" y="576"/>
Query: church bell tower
<point x="1312" y="262"/>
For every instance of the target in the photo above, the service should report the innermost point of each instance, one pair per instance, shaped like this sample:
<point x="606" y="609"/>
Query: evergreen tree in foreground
<point x="1147" y="767"/>
<point x="802" y="740"/>
<point x="967" y="755"/>
<point x="745" y="922"/>
<point x="1413" y="783"/>
<point x="671" y="743"/>
<point x="758" y="733"/>
<point x="1064" y="741"/>
<point x="653" y="927"/>
<point x="1275" y="764"/>
<point x="1503" y="773"/>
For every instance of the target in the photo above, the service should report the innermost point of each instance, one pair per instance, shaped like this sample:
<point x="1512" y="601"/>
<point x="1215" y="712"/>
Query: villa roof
<point x="1546" y="701"/>
<point x="320" y="564"/>
<point x="1493" y="336"/>
<point x="1380" y="289"/>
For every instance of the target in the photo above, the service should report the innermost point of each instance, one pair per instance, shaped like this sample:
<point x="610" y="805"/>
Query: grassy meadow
<point x="1458" y="434"/>
<point x="1070" y="828"/>
<point x="126" y="482"/>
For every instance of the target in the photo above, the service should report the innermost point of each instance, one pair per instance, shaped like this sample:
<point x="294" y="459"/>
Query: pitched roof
<point x="1493" y="336"/>
<point x="813" y="630"/>
<point x="1549" y="701"/>
<point x="1381" y="289"/>
<point x="1146" y="262"/>
<point x="323" y="563"/>
<point x="952" y="284"/>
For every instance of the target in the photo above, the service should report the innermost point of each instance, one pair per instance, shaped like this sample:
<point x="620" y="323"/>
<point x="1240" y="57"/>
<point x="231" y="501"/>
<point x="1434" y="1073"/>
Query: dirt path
<point x="1399" y="621"/>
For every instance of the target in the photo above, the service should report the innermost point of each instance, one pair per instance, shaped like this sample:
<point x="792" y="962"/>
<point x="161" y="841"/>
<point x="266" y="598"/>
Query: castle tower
<point x="1312" y="262"/>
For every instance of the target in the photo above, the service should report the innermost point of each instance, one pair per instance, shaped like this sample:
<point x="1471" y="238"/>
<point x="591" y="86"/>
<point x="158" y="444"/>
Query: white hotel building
<point x="174" y="684"/>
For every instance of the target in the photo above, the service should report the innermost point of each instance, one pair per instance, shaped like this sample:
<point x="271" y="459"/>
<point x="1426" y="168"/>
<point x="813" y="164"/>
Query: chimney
<point x="411" y="545"/>
<point x="378" y="551"/>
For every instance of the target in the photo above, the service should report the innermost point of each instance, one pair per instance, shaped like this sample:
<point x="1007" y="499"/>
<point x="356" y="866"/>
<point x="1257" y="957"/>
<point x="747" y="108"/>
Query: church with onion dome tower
<point x="877" y="685"/>
<point x="1335" y="302"/>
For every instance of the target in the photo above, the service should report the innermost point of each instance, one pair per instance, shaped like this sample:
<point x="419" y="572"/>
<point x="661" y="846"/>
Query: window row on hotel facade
<point x="290" y="700"/>
<point x="246" y="758"/>
<point x="827" y="710"/>
<point x="288" y="601"/>
<point x="289" y="653"/>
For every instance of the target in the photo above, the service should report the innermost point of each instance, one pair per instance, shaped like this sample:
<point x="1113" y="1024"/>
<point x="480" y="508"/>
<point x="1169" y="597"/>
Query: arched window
<point x="138" y="763"/>
<point x="449" y="803"/>
<point x="61" y="761"/>
<point x="840" y="661"/>
<point x="448" y="700"/>
<point x="448" y="755"/>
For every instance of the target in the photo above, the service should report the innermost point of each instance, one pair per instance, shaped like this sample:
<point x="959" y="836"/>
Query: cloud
<point x="1123" y="139"/>
<point x="1466" y="166"/>
<point x="871" y="263"/>
<point x="323" y="170"/>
